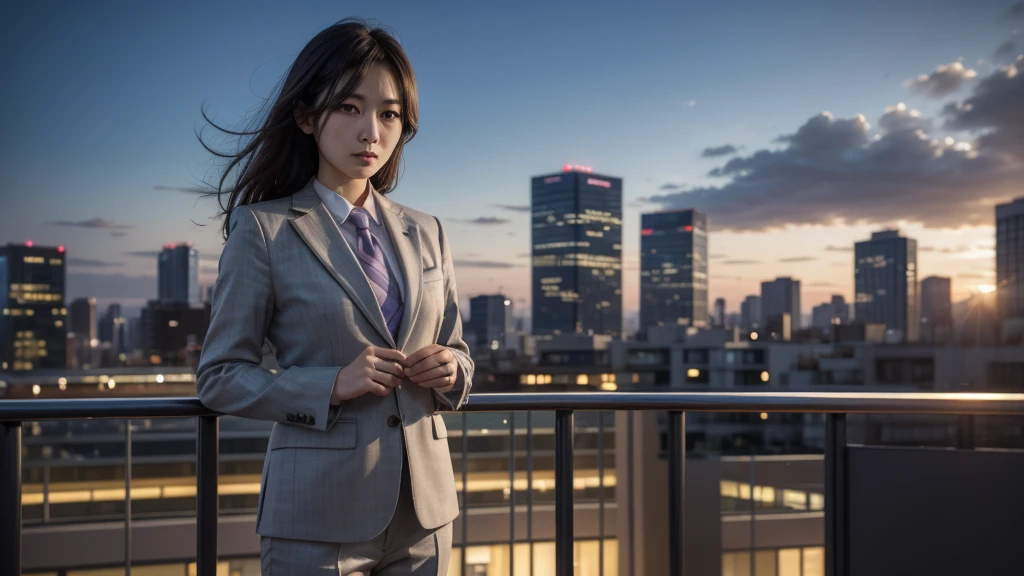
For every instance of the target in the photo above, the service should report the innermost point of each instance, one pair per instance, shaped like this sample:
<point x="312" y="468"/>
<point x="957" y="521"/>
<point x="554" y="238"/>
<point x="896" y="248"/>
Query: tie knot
<point x="361" y="218"/>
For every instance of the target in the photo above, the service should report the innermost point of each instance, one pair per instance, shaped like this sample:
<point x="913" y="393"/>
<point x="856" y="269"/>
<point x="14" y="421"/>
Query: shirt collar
<point x="339" y="207"/>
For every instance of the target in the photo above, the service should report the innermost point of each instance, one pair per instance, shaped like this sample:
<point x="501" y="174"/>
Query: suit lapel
<point x="405" y="238"/>
<point x="316" y="227"/>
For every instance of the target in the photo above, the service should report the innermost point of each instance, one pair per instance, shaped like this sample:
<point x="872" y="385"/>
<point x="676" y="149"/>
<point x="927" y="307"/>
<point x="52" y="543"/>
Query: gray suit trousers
<point x="404" y="547"/>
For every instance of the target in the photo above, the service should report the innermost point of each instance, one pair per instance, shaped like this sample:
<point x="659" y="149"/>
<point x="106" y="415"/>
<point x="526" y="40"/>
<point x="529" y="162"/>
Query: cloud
<point x="488" y="221"/>
<point x="798" y="259"/>
<point x="118" y="234"/>
<point x="1006" y="50"/>
<point x="821" y="285"/>
<point x="945" y="80"/>
<point x="524" y="255"/>
<point x="186" y="189"/>
<point x="831" y="248"/>
<point x="94" y="223"/>
<point x="716" y="256"/>
<point x="89" y="263"/>
<point x="690" y="103"/>
<point x="513" y="207"/>
<point x="484" y="264"/>
<point x="1015" y="11"/>
<point x="834" y="170"/>
<point x="970" y="275"/>
<point x="899" y="118"/>
<point x="716" y="151"/>
<point x="156" y="254"/>
<point x="994" y="110"/>
<point x="741" y="262"/>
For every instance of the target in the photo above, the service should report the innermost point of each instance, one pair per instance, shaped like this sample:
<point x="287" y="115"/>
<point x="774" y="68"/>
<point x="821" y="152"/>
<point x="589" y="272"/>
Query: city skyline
<point x="695" y="138"/>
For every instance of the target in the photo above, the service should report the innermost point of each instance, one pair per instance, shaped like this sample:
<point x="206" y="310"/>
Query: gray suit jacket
<point x="332" y="474"/>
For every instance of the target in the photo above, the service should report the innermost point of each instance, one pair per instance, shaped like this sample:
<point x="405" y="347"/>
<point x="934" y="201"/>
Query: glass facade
<point x="577" y="254"/>
<point x="674" y="269"/>
<point x="178" y="275"/>
<point x="1010" y="259"/>
<point x="885" y="278"/>
<point x="33" y="331"/>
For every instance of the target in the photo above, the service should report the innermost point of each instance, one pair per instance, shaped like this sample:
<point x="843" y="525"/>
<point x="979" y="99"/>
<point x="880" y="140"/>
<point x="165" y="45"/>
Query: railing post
<point x="10" y="498"/>
<point x="206" y="495"/>
<point x="835" y="495"/>
<point x="128" y="497"/>
<point x="676" y="488"/>
<point x="564" y="431"/>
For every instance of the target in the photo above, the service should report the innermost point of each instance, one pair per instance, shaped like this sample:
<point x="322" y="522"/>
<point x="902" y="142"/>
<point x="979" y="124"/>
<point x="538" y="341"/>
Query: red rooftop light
<point x="28" y="243"/>
<point x="60" y="249"/>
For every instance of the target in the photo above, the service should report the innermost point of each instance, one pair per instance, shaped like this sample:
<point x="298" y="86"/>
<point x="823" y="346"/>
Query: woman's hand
<point x="375" y="370"/>
<point x="433" y="366"/>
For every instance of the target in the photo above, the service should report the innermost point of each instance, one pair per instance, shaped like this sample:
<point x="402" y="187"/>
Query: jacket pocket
<point x="341" y="437"/>
<point x="432" y="275"/>
<point x="440" y="430"/>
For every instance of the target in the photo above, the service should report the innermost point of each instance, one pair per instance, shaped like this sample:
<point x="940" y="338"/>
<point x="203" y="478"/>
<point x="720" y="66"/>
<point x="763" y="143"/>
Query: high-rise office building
<point x="1010" y="259"/>
<point x="778" y="297"/>
<point x="936" y="310"/>
<point x="720" y="312"/>
<point x="835" y="312"/>
<point x="33" y="334"/>
<point x="750" y="313"/>
<point x="885" y="279"/>
<point x="491" y="321"/>
<point x="83" y="333"/>
<point x="113" y="328"/>
<point x="577" y="253"/>
<point x="178" y="275"/>
<point x="673" y="269"/>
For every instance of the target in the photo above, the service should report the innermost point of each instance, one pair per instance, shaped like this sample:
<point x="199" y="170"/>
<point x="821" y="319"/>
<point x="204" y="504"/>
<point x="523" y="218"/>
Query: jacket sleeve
<point x="451" y="330"/>
<point x="229" y="378"/>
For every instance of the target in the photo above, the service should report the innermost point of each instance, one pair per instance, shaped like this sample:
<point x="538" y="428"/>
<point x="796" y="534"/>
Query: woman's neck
<point x="355" y="191"/>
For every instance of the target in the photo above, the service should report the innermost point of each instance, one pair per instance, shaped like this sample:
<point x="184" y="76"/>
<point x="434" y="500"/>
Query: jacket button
<point x="393" y="421"/>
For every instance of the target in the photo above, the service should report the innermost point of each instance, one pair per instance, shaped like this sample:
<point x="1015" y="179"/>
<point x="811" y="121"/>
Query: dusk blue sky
<point x="102" y="101"/>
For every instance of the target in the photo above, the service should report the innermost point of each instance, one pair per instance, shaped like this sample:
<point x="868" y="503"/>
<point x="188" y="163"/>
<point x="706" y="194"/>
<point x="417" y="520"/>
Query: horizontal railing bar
<point x="812" y="402"/>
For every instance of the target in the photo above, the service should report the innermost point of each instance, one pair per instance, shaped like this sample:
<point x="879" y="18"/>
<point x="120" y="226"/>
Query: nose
<point x="371" y="131"/>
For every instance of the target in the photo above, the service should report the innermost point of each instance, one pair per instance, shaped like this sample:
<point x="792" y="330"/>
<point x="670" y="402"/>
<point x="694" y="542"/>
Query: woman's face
<point x="359" y="137"/>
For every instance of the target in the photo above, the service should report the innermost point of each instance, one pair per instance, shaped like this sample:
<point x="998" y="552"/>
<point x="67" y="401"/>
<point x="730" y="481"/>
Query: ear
<point x="303" y="118"/>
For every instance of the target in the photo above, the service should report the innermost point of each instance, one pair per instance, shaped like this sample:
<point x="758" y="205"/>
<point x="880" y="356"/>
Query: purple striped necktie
<point x="371" y="257"/>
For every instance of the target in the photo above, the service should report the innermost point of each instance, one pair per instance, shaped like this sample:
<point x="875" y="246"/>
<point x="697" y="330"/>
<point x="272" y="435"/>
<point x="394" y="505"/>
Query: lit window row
<point x="34" y="260"/>
<point x="19" y="312"/>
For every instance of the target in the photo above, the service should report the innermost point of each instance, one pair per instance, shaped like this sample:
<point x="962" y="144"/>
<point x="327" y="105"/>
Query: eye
<point x="348" y="108"/>
<point x="393" y="115"/>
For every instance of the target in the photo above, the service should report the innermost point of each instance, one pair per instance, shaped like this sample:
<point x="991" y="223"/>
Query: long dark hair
<point x="279" y="158"/>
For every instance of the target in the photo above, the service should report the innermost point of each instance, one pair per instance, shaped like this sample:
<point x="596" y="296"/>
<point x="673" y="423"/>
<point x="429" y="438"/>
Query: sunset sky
<point x="799" y="127"/>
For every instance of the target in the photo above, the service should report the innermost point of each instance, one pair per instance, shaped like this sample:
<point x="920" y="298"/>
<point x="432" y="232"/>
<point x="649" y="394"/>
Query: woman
<point x="357" y="294"/>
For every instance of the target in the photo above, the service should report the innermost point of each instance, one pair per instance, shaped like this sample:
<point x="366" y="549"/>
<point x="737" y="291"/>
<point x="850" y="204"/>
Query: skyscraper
<point x="491" y="320"/>
<point x="885" y="278"/>
<point x="720" y="312"/>
<point x="673" y="268"/>
<point x="577" y="253"/>
<point x="178" y="275"/>
<point x="32" y="330"/>
<point x="936" y="310"/>
<point x="778" y="297"/>
<point x="1010" y="259"/>
<point x="750" y="313"/>
<point x="83" y="333"/>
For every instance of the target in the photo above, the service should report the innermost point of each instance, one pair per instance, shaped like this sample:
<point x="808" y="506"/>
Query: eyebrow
<point x="363" y="99"/>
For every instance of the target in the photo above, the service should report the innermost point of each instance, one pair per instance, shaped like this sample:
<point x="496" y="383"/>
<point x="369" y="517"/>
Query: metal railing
<point x="835" y="405"/>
